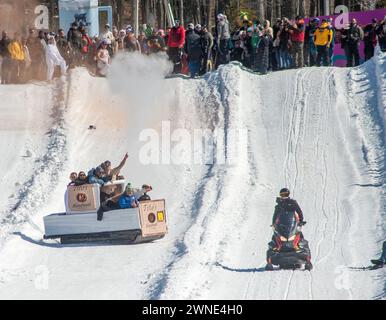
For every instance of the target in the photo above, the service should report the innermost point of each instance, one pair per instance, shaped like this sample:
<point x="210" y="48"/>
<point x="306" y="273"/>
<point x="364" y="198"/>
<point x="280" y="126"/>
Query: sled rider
<point x="286" y="204"/>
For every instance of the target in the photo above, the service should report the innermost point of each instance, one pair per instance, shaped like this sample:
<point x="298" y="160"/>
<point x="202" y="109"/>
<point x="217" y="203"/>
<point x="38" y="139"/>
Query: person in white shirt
<point x="53" y="59"/>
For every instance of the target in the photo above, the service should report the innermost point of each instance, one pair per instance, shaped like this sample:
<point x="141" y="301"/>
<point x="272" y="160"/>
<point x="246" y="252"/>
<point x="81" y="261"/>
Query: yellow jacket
<point x="16" y="50"/>
<point x="323" y="35"/>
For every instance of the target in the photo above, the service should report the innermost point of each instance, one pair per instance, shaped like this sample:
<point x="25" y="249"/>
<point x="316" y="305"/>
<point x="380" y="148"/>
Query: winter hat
<point x="190" y="26"/>
<point x="129" y="29"/>
<point x="198" y="27"/>
<point x="161" y="32"/>
<point x="129" y="188"/>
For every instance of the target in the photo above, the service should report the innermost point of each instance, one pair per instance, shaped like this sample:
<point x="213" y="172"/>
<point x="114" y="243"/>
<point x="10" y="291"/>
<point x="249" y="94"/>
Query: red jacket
<point x="176" y="37"/>
<point x="297" y="35"/>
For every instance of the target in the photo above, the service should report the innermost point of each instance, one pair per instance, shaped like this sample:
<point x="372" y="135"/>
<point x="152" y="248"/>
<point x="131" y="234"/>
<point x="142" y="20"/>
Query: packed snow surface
<point x="318" y="131"/>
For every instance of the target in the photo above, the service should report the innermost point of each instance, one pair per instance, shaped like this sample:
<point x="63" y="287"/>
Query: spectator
<point x="381" y="33"/>
<point x="103" y="59"/>
<point x="176" y="41"/>
<point x="109" y="39"/>
<point x="207" y="46"/>
<point x="6" y="63"/>
<point x="296" y="31"/>
<point x="223" y="36"/>
<point x="310" y="51"/>
<point x="284" y="36"/>
<point x="193" y="50"/>
<point x="16" y="51"/>
<point x="64" y="46"/>
<point x="322" y="40"/>
<point x="370" y="39"/>
<point x="263" y="48"/>
<point x="36" y="51"/>
<point x="53" y="59"/>
<point x="74" y="38"/>
<point x="143" y="43"/>
<point x="120" y="40"/>
<point x="130" y="42"/>
<point x="27" y="61"/>
<point x="354" y="36"/>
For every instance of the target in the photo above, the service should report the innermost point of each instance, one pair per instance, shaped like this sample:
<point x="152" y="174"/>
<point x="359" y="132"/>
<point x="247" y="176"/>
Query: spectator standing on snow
<point x="263" y="48"/>
<point x="6" y="63"/>
<point x="354" y="36"/>
<point x="207" y="46"/>
<point x="131" y="43"/>
<point x="103" y="59"/>
<point x="36" y="51"/>
<point x="370" y="39"/>
<point x="74" y="37"/>
<point x="222" y="41"/>
<point x="310" y="48"/>
<point x="64" y="46"/>
<point x="109" y="39"/>
<point x="143" y="43"/>
<point x="284" y="36"/>
<point x="27" y="61"/>
<point x="53" y="59"/>
<point x="322" y="41"/>
<point x="381" y="33"/>
<point x="176" y="42"/>
<point x="193" y="50"/>
<point x="296" y="31"/>
<point x="16" y="51"/>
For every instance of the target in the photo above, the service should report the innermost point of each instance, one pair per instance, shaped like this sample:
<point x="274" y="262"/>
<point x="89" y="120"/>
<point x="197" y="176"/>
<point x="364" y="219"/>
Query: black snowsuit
<point x="263" y="54"/>
<point x="381" y="33"/>
<point x="370" y="41"/>
<point x="286" y="205"/>
<point x="6" y="64"/>
<point x="207" y="45"/>
<point x="354" y="37"/>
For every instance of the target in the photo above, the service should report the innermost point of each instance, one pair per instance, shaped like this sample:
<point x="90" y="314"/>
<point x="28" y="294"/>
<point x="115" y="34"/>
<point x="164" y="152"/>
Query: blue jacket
<point x="92" y="178"/>
<point x="125" y="201"/>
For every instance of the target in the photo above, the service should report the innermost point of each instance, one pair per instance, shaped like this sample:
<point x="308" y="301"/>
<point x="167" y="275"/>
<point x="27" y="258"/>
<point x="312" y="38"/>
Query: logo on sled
<point x="81" y="197"/>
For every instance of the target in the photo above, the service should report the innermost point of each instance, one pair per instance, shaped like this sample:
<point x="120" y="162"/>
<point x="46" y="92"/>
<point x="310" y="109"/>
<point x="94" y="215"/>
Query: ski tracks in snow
<point x="35" y="192"/>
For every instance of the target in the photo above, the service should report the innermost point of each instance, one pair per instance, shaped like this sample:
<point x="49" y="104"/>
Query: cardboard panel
<point x="83" y="198"/>
<point x="153" y="218"/>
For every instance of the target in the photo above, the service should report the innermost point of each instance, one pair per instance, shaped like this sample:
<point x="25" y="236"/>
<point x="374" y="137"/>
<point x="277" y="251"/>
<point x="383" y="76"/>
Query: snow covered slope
<point x="318" y="131"/>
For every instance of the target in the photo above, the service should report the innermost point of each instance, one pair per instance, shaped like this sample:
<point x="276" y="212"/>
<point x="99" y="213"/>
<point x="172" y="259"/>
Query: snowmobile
<point x="81" y="221"/>
<point x="288" y="248"/>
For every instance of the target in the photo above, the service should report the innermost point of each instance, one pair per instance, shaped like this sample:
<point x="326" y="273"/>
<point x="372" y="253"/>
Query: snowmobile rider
<point x="286" y="204"/>
<point x="113" y="174"/>
<point x="127" y="200"/>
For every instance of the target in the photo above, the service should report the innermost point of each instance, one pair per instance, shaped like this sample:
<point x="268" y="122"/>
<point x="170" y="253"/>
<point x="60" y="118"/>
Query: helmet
<point x="316" y="20"/>
<point x="284" y="192"/>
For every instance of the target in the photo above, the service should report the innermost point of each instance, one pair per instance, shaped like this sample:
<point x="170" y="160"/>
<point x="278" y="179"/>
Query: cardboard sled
<point x="79" y="223"/>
